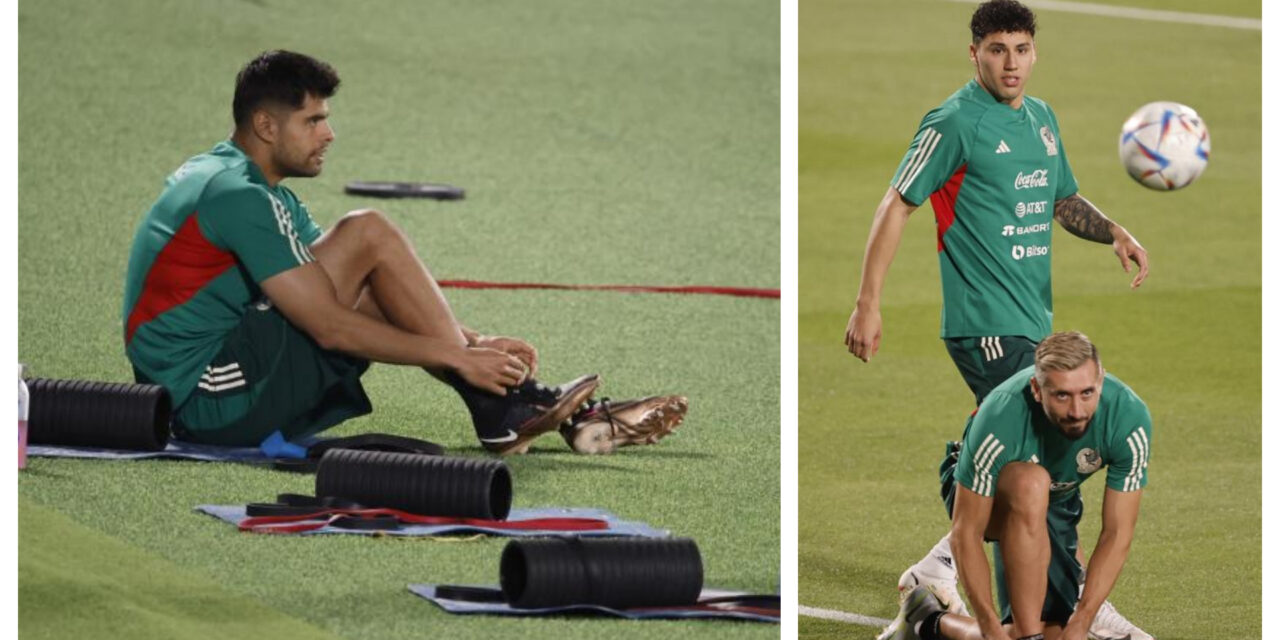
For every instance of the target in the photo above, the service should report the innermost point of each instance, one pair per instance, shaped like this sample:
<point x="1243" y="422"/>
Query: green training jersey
<point x="1011" y="427"/>
<point x="216" y="232"/>
<point x="992" y="174"/>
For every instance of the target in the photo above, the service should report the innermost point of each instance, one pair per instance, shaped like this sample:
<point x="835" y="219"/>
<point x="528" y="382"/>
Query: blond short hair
<point x="1064" y="351"/>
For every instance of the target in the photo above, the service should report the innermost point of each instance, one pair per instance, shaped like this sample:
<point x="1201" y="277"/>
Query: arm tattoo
<point x="1082" y="219"/>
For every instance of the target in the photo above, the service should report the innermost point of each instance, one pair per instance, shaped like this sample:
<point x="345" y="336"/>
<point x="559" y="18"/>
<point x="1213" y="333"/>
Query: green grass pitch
<point x="600" y="143"/>
<point x="1188" y="341"/>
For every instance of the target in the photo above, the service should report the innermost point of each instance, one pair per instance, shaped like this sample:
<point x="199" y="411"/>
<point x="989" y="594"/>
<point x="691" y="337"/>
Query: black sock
<point x="929" y="626"/>
<point x="487" y="409"/>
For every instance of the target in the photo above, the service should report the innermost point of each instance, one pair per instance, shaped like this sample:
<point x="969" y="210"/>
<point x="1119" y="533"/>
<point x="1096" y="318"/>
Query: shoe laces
<point x="533" y="392"/>
<point x="591" y="407"/>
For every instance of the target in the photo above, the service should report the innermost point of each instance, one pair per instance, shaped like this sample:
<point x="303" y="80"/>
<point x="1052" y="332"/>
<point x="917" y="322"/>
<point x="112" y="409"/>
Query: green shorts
<point x="1064" y="570"/>
<point x="270" y="376"/>
<point x="986" y="362"/>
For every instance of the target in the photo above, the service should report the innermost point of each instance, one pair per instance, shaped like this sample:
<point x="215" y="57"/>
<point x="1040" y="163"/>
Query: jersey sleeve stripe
<point x="983" y="459"/>
<point x="928" y="142"/>
<point x="285" y="224"/>
<point x="1138" y="447"/>
<point x="987" y="488"/>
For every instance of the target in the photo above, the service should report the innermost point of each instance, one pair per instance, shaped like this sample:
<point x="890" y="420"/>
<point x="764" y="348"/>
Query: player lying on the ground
<point x="1035" y="439"/>
<point x="256" y="322"/>
<point x="992" y="162"/>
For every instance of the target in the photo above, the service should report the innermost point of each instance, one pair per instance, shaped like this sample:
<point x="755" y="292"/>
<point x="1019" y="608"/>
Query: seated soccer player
<point x="257" y="322"/>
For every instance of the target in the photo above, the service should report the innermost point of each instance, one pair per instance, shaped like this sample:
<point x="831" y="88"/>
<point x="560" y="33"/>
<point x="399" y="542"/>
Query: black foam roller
<point x="111" y="415"/>
<point x="417" y="483"/>
<point x="612" y="572"/>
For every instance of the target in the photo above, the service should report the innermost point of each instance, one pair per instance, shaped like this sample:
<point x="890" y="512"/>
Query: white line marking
<point x="840" y="616"/>
<point x="1203" y="19"/>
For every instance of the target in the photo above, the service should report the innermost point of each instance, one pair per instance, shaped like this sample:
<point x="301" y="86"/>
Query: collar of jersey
<point x="254" y="170"/>
<point x="985" y="97"/>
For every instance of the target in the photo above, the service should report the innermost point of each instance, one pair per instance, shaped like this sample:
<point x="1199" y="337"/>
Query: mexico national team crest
<point x="1088" y="461"/>
<point x="1050" y="143"/>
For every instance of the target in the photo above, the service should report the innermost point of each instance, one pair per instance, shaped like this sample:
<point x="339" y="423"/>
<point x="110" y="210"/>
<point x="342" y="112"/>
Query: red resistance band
<point x="325" y="517"/>
<point x="743" y="292"/>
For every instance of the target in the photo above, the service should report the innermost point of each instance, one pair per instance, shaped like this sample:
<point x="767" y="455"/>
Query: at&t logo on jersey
<point x="1037" y="178"/>
<point x="1031" y="208"/>
<point x="1029" y="251"/>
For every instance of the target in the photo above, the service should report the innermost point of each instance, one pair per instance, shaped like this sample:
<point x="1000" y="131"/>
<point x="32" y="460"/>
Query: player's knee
<point x="373" y="227"/>
<point x="1025" y="488"/>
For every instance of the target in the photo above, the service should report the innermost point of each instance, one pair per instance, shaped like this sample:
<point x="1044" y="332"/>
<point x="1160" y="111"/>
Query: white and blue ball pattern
<point x="1164" y="145"/>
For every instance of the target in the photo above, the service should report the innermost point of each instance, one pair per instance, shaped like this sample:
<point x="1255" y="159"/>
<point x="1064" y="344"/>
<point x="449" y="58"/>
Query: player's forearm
<point x="1083" y="220"/>
<point x="1104" y="568"/>
<point x="975" y="576"/>
<point x="358" y="335"/>
<point x="882" y="245"/>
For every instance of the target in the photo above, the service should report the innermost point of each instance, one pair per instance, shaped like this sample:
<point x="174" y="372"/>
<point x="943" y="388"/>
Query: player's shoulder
<point x="958" y="112"/>
<point x="1040" y="108"/>
<point x="1126" y="411"/>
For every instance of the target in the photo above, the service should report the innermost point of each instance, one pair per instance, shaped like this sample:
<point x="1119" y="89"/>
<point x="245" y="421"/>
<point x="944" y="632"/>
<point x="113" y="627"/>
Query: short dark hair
<point x="1001" y="16"/>
<point x="282" y="77"/>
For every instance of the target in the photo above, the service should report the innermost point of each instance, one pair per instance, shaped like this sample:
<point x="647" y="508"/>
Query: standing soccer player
<point x="1035" y="440"/>
<point x="992" y="163"/>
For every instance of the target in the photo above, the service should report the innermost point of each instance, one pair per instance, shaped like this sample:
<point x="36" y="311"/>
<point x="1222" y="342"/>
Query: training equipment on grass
<point x="628" y="578"/>
<point x="741" y="292"/>
<point x="405" y="190"/>
<point x="1164" y="145"/>
<point x="98" y="414"/>
<point x="519" y="523"/>
<point x="422" y="484"/>
<point x="610" y="573"/>
<point x="711" y="604"/>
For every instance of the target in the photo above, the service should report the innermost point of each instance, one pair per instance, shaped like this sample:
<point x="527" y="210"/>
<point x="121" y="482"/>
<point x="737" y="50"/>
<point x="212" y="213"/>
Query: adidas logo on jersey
<point x="1003" y="148"/>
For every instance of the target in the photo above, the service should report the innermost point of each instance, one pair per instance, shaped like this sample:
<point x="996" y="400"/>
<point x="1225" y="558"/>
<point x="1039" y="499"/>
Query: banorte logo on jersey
<point x="1037" y="178"/>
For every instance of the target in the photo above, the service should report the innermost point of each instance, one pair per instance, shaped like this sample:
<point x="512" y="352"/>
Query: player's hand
<point x="490" y="369"/>
<point x="862" y="335"/>
<point x="996" y="631"/>
<point x="1076" y="629"/>
<point x="514" y="346"/>
<point x="1128" y="249"/>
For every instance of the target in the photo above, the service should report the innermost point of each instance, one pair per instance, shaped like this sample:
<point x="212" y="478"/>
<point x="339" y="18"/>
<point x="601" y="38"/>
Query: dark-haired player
<point x="259" y="324"/>
<point x="991" y="161"/>
<point x="1036" y="439"/>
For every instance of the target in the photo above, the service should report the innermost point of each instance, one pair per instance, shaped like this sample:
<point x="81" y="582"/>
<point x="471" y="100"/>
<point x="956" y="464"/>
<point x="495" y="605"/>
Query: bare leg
<point x="374" y="268"/>
<point x="1019" y="522"/>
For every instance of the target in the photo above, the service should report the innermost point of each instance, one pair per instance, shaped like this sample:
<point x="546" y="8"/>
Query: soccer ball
<point x="1164" y="145"/>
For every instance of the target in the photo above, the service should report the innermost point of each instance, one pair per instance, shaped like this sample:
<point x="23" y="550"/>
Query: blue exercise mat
<point x="235" y="513"/>
<point x="175" y="450"/>
<point x="428" y="591"/>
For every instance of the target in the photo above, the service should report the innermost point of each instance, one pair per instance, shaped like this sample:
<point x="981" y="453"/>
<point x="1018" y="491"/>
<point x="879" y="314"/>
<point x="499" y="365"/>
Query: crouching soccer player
<point x="1034" y="440"/>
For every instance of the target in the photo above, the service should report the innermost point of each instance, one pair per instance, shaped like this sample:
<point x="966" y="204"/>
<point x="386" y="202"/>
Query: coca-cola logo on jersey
<point x="1037" y="178"/>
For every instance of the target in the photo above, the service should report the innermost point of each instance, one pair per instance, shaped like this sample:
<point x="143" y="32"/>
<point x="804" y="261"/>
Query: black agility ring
<point x="405" y="190"/>
<point x="612" y="572"/>
<point x="417" y="483"/>
<point x="109" y="415"/>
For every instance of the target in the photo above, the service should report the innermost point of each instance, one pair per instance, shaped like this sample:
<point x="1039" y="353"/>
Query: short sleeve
<point x="987" y="448"/>
<point x="308" y="230"/>
<point x="256" y="226"/>
<point x="1067" y="185"/>
<point x="934" y="156"/>
<point x="1130" y="449"/>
